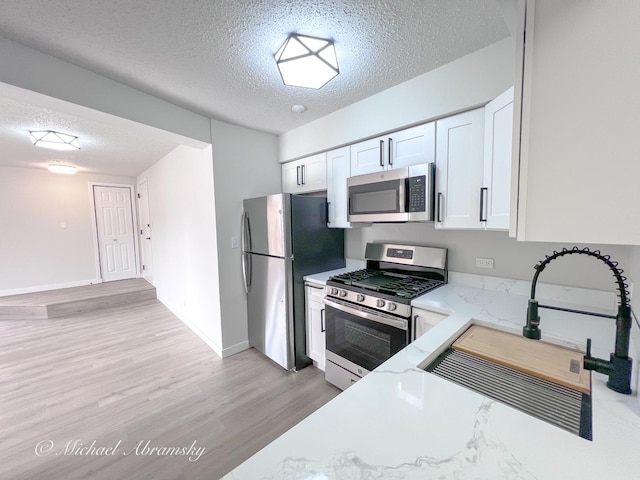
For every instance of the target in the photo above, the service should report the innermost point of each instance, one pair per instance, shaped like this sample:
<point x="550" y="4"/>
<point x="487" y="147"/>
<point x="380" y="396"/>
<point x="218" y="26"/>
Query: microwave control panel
<point x="416" y="200"/>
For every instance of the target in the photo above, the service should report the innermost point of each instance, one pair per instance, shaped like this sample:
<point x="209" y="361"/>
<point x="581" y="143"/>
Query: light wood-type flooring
<point x="68" y="301"/>
<point x="125" y="376"/>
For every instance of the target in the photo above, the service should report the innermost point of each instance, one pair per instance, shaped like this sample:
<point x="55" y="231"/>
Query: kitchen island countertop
<point x="401" y="422"/>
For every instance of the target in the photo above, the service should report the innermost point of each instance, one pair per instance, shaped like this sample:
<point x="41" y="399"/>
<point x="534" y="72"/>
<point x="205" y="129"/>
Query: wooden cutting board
<point x="543" y="360"/>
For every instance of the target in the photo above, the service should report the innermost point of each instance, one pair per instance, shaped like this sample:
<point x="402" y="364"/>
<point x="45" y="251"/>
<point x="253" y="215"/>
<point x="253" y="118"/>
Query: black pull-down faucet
<point x="618" y="367"/>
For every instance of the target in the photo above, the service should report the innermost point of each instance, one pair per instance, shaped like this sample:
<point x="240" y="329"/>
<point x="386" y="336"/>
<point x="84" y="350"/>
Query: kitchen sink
<point x="560" y="405"/>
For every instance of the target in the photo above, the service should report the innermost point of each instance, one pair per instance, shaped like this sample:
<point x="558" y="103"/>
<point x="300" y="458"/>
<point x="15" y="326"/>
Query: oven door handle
<point x="401" y="324"/>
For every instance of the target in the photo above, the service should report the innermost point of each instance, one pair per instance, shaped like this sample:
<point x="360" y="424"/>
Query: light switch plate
<point x="235" y="242"/>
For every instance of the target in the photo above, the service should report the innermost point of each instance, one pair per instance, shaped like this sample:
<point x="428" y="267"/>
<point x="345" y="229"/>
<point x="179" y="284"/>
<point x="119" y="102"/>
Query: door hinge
<point x="138" y="195"/>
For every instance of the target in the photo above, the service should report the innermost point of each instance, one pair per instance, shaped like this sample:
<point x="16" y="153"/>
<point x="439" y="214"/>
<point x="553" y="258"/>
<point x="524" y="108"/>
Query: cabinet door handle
<point x="303" y="175"/>
<point x="483" y="192"/>
<point x="382" y="153"/>
<point x="328" y="218"/>
<point x="390" y="151"/>
<point x="439" y="207"/>
<point x="298" y="175"/>
<point x="322" y="326"/>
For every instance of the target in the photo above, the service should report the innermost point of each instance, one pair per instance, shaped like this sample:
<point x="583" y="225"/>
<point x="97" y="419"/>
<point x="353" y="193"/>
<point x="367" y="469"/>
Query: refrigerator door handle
<point x="245" y="233"/>
<point x="244" y="272"/>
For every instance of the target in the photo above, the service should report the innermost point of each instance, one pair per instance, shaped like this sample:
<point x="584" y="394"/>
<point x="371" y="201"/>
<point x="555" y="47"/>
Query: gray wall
<point x="245" y="165"/>
<point x="512" y="259"/>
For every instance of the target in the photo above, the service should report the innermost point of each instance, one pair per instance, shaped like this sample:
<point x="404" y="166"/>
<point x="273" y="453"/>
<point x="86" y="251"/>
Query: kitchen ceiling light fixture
<point x="63" y="169"/>
<point x="55" y="140"/>
<point x="298" y="109"/>
<point x="307" y="61"/>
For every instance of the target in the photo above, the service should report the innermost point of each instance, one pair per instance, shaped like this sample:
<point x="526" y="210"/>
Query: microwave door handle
<point x="402" y="196"/>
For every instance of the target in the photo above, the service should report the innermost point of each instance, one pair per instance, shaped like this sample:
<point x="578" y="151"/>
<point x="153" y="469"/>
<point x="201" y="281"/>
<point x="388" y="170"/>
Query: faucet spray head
<point x="531" y="330"/>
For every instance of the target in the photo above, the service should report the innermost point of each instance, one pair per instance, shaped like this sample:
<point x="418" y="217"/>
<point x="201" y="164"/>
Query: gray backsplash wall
<point x="512" y="259"/>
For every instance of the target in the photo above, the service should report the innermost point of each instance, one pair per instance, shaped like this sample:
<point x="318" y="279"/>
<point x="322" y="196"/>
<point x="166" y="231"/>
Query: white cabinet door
<point x="314" y="173"/>
<point x="291" y="177"/>
<point x="579" y="161"/>
<point x="412" y="146"/>
<point x="305" y="175"/>
<point x="338" y="170"/>
<point x="316" y="342"/>
<point x="369" y="156"/>
<point x="459" y="157"/>
<point x="424" y="320"/>
<point x="498" y="140"/>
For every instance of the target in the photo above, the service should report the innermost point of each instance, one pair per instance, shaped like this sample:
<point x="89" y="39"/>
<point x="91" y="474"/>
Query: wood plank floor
<point x="69" y="301"/>
<point x="126" y="376"/>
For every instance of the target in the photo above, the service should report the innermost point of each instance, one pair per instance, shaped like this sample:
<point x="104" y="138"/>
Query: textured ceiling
<point x="215" y="57"/>
<point x="107" y="145"/>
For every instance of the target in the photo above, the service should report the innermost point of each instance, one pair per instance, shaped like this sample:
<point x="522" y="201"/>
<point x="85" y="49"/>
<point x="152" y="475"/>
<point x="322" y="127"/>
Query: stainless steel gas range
<point x="368" y="312"/>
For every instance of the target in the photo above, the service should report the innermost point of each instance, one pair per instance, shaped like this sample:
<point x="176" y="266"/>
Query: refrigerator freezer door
<point x="268" y="309"/>
<point x="264" y="221"/>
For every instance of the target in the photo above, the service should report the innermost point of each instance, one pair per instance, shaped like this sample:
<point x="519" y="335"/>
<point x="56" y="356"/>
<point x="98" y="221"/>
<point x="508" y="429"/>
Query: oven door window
<point x="364" y="342"/>
<point x="380" y="197"/>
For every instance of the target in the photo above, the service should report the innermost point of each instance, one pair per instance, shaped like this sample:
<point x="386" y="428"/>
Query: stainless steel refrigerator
<point x="284" y="238"/>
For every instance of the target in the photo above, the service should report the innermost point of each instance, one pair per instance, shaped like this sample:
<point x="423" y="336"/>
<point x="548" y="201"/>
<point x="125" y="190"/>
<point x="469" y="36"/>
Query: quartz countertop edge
<point x="402" y="422"/>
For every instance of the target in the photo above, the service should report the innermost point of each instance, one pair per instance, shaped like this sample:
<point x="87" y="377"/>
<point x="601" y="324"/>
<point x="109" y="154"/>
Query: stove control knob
<point x="360" y="298"/>
<point x="333" y="291"/>
<point x="342" y="293"/>
<point x="380" y="303"/>
<point x="392" y="306"/>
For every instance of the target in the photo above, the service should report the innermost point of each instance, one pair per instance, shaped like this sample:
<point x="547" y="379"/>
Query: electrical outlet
<point x="235" y="242"/>
<point x="484" y="262"/>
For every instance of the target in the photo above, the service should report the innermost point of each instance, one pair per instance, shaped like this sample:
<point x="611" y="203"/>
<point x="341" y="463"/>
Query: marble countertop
<point x="400" y="422"/>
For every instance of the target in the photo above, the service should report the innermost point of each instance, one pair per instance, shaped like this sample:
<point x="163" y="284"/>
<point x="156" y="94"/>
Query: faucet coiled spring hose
<point x="620" y="279"/>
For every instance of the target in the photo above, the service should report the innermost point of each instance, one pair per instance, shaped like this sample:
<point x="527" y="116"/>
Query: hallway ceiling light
<point x="307" y="61"/>
<point x="55" y="140"/>
<point x="64" y="169"/>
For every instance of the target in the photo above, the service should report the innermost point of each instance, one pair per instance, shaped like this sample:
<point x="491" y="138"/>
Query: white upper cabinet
<point x="404" y="148"/>
<point x="412" y="146"/>
<point x="305" y="175"/>
<point x="338" y="170"/>
<point x="498" y="139"/>
<point x="459" y="170"/>
<point x="369" y="156"/>
<point x="579" y="159"/>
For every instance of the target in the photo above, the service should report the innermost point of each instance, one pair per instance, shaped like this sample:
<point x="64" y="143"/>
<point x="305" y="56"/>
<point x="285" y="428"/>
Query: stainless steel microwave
<point x="398" y="195"/>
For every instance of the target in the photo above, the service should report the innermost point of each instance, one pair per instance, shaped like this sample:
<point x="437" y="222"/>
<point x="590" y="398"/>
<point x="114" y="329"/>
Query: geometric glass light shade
<point x="64" y="169"/>
<point x="55" y="140"/>
<point x="307" y="61"/>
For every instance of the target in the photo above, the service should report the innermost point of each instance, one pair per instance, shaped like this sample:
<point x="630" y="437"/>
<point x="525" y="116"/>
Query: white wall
<point x="183" y="236"/>
<point x="245" y="164"/>
<point x="513" y="259"/>
<point x="470" y="81"/>
<point x="27" y="68"/>
<point x="35" y="252"/>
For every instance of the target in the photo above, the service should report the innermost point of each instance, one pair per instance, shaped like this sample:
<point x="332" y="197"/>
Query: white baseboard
<point x="237" y="348"/>
<point x="44" y="288"/>
<point x="205" y="338"/>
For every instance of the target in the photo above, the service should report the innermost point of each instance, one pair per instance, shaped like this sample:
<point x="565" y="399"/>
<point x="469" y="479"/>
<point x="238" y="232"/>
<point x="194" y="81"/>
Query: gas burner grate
<point x="353" y="277"/>
<point x="410" y="287"/>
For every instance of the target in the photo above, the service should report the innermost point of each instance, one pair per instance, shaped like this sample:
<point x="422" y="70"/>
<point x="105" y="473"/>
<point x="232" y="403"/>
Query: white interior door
<point x="145" y="231"/>
<point x="114" y="221"/>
